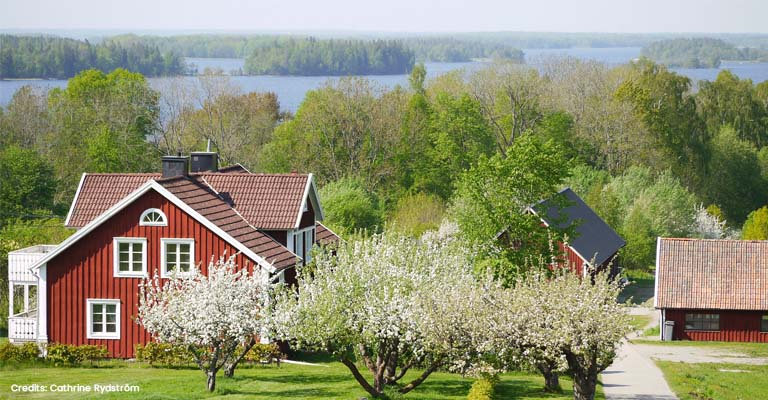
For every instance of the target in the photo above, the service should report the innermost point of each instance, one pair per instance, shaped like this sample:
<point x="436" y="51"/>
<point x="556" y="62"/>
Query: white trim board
<point x="310" y="190"/>
<point x="74" y="200"/>
<point x="127" y="200"/>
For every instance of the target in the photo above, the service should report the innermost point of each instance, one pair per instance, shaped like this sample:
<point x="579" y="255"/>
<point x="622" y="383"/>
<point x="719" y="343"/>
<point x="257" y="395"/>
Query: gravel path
<point x="634" y="376"/>
<point x="695" y="355"/>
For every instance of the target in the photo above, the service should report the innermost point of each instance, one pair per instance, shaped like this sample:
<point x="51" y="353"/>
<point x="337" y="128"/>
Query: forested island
<point x="330" y="57"/>
<point x="458" y="48"/>
<point x="700" y="52"/>
<point x="62" y="58"/>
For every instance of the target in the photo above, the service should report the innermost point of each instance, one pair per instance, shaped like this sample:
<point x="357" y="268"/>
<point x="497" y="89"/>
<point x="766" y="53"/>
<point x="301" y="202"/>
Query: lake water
<point x="291" y="89"/>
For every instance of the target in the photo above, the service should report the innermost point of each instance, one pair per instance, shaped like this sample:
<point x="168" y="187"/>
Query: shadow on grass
<point x="520" y="388"/>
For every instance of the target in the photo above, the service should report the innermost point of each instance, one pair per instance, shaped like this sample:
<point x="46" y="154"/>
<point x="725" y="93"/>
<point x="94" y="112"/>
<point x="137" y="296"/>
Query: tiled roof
<point x="712" y="274"/>
<point x="98" y="192"/>
<point x="235" y="200"/>
<point x="594" y="239"/>
<point x="324" y="235"/>
<point x="202" y="199"/>
<point x="266" y="201"/>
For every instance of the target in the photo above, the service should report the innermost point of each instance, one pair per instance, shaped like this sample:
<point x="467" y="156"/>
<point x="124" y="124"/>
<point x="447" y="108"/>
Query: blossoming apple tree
<point x="389" y="301"/>
<point x="209" y="315"/>
<point x="572" y="322"/>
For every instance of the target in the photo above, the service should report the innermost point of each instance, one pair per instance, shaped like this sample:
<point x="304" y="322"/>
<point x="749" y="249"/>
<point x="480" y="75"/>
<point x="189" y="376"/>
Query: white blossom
<point x="706" y="225"/>
<point x="394" y="301"/>
<point x="210" y="315"/>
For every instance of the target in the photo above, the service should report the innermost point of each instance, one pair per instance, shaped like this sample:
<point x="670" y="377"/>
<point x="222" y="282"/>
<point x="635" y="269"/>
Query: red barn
<point x="594" y="243"/>
<point x="712" y="289"/>
<point x="131" y="226"/>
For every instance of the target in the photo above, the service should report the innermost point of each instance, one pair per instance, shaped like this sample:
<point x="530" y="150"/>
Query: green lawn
<point x="750" y="349"/>
<point x="716" y="381"/>
<point x="254" y="382"/>
<point x="639" y="322"/>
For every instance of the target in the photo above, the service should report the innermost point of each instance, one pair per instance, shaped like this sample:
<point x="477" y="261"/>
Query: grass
<point x="709" y="381"/>
<point x="333" y="381"/>
<point x="750" y="349"/>
<point x="654" y="331"/>
<point x="639" y="322"/>
<point x="640" y="288"/>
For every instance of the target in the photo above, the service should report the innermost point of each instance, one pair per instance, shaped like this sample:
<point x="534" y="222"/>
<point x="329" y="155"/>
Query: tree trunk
<point x="584" y="387"/>
<point x="360" y="378"/>
<point x="424" y="375"/>
<point x="551" y="379"/>
<point x="211" y="381"/>
<point x="390" y="371"/>
<point x="229" y="368"/>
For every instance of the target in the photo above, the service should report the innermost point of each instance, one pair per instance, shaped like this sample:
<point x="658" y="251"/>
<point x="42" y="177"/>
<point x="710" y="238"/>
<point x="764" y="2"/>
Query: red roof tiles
<point x="324" y="235"/>
<point x="712" y="274"/>
<point x="233" y="199"/>
<point x="202" y="199"/>
<point x="266" y="201"/>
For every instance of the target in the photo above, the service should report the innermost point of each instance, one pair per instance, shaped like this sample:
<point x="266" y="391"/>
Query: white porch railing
<point x="22" y="329"/>
<point x="19" y="262"/>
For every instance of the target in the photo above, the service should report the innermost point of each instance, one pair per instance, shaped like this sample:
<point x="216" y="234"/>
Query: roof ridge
<point x="680" y="239"/>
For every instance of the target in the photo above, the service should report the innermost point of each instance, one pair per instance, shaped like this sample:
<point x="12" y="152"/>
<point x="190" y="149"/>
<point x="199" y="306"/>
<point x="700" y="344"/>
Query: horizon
<point x="396" y="17"/>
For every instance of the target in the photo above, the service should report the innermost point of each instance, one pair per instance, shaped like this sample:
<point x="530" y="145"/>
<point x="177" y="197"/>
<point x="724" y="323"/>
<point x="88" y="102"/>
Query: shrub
<point x="71" y="355"/>
<point x="349" y="207"/>
<point x="163" y="354"/>
<point x="265" y="353"/>
<point x="418" y="213"/>
<point x="756" y="226"/>
<point x="482" y="389"/>
<point x="24" y="353"/>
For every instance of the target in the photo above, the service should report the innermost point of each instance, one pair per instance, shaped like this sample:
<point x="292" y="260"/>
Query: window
<point x="702" y="322"/>
<point x="301" y="243"/>
<point x="177" y="255"/>
<point x="764" y="323"/>
<point x="103" y="319"/>
<point x="130" y="257"/>
<point x="153" y="217"/>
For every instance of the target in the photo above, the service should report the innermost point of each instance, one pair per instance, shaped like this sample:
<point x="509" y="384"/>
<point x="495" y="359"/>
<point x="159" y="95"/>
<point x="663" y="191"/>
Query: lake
<point x="291" y="89"/>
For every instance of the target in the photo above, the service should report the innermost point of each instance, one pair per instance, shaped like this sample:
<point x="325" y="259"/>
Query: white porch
<point x="23" y="292"/>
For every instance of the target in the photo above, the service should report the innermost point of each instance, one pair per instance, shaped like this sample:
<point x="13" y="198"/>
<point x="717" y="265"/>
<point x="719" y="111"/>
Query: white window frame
<point x="305" y="255"/>
<point x="89" y="318"/>
<point x="192" y="265"/>
<point x="164" y="222"/>
<point x="116" y="257"/>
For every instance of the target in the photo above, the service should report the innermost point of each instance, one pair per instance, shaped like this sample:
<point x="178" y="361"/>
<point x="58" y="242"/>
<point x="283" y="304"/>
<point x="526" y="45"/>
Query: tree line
<point x="700" y="52"/>
<point x="329" y="57"/>
<point x="62" y="58"/>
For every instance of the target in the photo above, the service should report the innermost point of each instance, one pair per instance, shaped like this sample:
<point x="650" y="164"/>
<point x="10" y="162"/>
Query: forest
<point x="700" y="52"/>
<point x="334" y="57"/>
<point x="61" y="58"/>
<point x="652" y="157"/>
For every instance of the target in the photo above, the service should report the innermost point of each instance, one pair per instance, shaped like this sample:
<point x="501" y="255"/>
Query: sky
<point x="642" y="16"/>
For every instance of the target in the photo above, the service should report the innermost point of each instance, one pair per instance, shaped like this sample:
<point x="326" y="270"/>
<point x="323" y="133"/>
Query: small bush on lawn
<point x="163" y="354"/>
<point x="71" y="355"/>
<point x="265" y="353"/>
<point x="25" y="353"/>
<point x="483" y="388"/>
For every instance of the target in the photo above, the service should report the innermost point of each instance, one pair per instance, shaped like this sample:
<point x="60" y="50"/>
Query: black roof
<point x="593" y="237"/>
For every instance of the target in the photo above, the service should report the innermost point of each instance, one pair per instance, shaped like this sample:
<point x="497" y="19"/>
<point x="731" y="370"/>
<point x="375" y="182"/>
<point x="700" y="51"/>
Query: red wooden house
<point x="593" y="244"/>
<point x="712" y="289"/>
<point x="131" y="226"/>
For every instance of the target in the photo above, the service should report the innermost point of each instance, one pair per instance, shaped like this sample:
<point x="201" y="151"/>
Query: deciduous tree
<point x="209" y="315"/>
